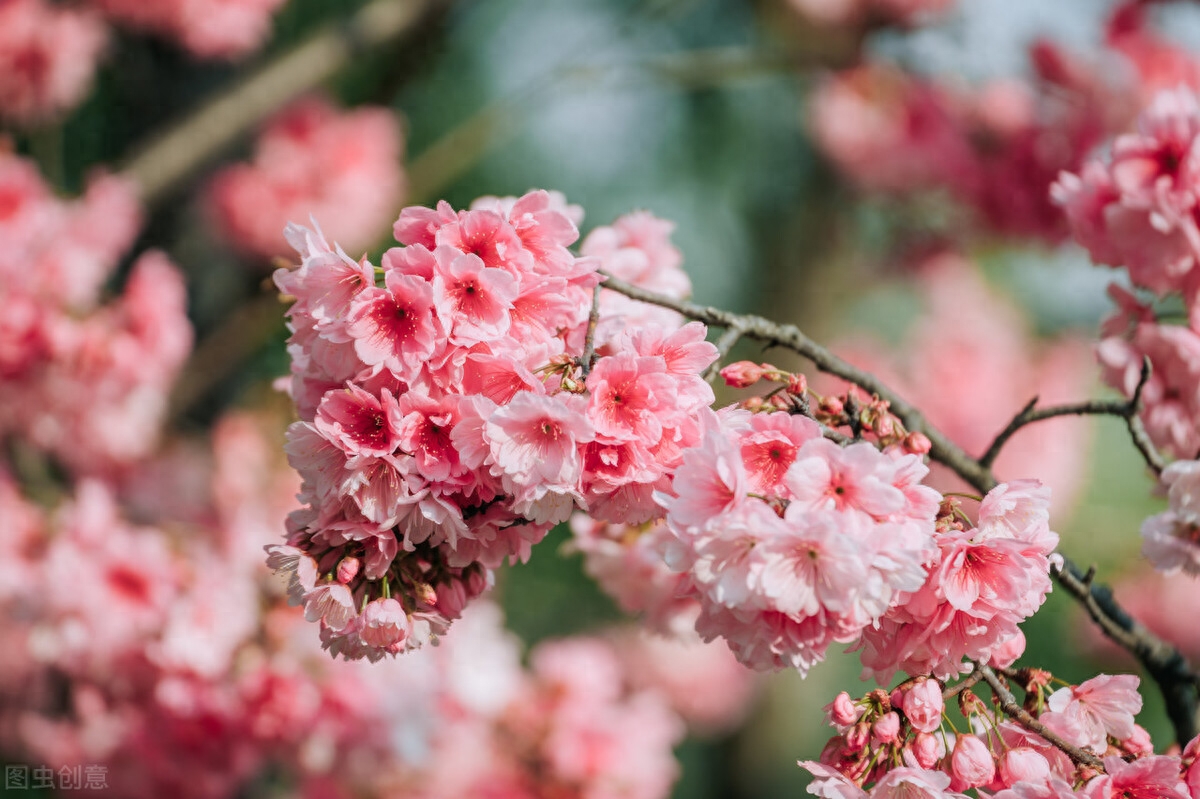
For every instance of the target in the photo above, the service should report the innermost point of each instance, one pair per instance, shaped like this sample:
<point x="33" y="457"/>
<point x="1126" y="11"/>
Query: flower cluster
<point x="895" y="745"/>
<point x="982" y="583"/>
<point x="314" y="160"/>
<point x="997" y="147"/>
<point x="1137" y="209"/>
<point x="49" y="52"/>
<point x="790" y="542"/>
<point x="449" y="418"/>
<point x="172" y="662"/>
<point x="82" y="381"/>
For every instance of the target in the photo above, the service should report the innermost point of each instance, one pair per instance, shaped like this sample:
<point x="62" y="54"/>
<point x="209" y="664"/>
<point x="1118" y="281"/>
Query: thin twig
<point x="1008" y="704"/>
<point x="589" y="341"/>
<point x="1124" y="409"/>
<point x="177" y="153"/>
<point x="966" y="682"/>
<point x="1169" y="669"/>
<point x="1137" y="431"/>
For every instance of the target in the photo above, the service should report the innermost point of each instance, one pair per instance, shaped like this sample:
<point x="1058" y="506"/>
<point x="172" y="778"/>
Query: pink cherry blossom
<point x="359" y="422"/>
<point x="971" y="763"/>
<point x="535" y="441"/>
<point x="48" y="56"/>
<point x="395" y="327"/>
<point x="472" y="300"/>
<point x="1100" y="707"/>
<point x="1154" y="777"/>
<point x="1171" y="539"/>
<point x="923" y="705"/>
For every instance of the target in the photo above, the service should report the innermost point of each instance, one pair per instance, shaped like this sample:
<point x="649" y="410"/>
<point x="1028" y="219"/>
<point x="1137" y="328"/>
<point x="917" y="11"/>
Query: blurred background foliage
<point x="693" y="109"/>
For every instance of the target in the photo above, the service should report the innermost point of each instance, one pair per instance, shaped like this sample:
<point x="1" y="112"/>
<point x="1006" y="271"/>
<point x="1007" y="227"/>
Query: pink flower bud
<point x="797" y="385"/>
<point x="1023" y="764"/>
<point x="742" y="374"/>
<point x="452" y="597"/>
<point x="927" y="750"/>
<point x="971" y="764"/>
<point x="347" y="570"/>
<point x="917" y="443"/>
<point x="887" y="729"/>
<point x="1008" y="652"/>
<point x="841" y="710"/>
<point x="425" y="593"/>
<point x="477" y="580"/>
<point x="384" y="624"/>
<point x="857" y="737"/>
<point x="1139" y="742"/>
<point x="923" y="705"/>
<point x="885" y="426"/>
<point x="831" y="405"/>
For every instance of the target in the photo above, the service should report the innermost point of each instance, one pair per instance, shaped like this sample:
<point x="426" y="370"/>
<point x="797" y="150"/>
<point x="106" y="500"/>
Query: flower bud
<point x="830" y="408"/>
<point x="384" y="624"/>
<point x="923" y="705"/>
<point x="971" y="764"/>
<point x="742" y="374"/>
<point x="841" y="710"/>
<point x="797" y="385"/>
<point x="917" y="443"/>
<point x="347" y="570"/>
<point x="927" y="750"/>
<point x="887" y="728"/>
<point x="857" y="737"/>
<point x="1023" y="764"/>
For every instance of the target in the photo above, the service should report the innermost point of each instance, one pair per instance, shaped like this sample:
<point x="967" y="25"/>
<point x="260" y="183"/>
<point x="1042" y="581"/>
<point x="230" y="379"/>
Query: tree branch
<point x="1124" y="409"/>
<point x="1008" y="704"/>
<point x="1169" y="669"/>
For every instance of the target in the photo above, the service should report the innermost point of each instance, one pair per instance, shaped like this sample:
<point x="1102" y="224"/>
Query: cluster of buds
<point x="882" y="730"/>
<point x="863" y="415"/>
<point x="898" y="744"/>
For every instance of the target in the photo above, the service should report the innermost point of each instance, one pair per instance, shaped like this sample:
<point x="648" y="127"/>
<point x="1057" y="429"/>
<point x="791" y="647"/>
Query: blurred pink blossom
<point x="208" y="28"/>
<point x="48" y="54"/>
<point x="314" y="161"/>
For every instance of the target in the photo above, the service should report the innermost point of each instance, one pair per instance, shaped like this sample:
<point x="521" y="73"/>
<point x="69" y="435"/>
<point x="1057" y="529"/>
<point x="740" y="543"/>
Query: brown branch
<point x="1008" y="704"/>
<point x="174" y="155"/>
<point x="1124" y="409"/>
<point x="1169" y="669"/>
<point x="589" y="340"/>
<point x="756" y="327"/>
